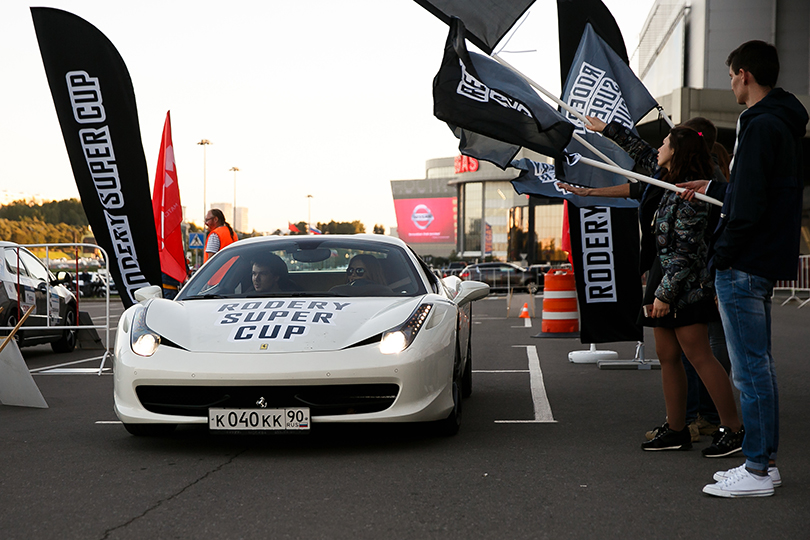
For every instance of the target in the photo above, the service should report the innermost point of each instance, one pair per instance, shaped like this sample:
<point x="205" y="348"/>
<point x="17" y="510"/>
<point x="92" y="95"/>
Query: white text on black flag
<point x="97" y="149"/>
<point x="474" y="89"/>
<point x="597" y="255"/>
<point x="595" y="94"/>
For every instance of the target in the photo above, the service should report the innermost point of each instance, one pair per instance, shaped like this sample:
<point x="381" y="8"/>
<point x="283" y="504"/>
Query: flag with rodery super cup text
<point x="95" y="104"/>
<point x="604" y="240"/>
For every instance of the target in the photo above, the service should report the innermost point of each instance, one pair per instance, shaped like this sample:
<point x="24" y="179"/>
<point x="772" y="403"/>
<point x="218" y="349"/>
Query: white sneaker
<point x="741" y="483"/>
<point x="773" y="472"/>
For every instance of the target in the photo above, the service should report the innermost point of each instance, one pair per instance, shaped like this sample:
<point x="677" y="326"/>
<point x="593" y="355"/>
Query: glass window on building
<point x="497" y="202"/>
<point x="518" y="232"/>
<point x="472" y="203"/>
<point x="548" y="222"/>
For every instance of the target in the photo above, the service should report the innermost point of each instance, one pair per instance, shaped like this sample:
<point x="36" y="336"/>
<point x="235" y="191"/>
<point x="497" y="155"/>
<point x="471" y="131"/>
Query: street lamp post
<point x="234" y="169"/>
<point x="204" y="143"/>
<point x="309" y="212"/>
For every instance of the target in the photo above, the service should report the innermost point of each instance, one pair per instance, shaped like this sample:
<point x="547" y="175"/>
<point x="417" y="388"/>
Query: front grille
<point x="321" y="400"/>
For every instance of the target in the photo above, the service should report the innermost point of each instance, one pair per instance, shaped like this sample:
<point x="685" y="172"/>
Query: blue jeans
<point x="745" y="308"/>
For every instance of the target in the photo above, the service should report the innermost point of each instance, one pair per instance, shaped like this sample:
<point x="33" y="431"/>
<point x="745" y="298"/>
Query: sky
<point x="315" y="97"/>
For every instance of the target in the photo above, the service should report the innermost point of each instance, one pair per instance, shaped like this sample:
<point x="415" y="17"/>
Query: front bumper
<point x="357" y="384"/>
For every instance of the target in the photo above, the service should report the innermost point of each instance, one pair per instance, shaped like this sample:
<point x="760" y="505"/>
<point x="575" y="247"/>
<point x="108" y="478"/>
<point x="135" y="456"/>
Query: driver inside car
<point x="269" y="274"/>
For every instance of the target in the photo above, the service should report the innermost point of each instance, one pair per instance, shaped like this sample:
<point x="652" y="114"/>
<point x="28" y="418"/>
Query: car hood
<point x="276" y="325"/>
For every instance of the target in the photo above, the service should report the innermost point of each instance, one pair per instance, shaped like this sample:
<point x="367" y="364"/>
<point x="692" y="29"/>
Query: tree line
<point x="67" y="211"/>
<point x="51" y="222"/>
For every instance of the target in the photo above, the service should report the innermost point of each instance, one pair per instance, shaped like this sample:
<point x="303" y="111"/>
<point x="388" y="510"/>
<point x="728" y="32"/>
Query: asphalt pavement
<point x="547" y="449"/>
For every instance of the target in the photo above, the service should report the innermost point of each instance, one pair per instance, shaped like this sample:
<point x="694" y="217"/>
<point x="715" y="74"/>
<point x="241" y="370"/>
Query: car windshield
<point x="307" y="267"/>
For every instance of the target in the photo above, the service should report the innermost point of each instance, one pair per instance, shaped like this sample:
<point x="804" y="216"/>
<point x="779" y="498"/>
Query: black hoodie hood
<point x="785" y="107"/>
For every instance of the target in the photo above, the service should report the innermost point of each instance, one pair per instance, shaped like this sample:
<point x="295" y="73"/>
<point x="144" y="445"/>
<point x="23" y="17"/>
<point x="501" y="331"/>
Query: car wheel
<point x="150" y="430"/>
<point x="67" y="342"/>
<point x="466" y="378"/>
<point x="11" y="321"/>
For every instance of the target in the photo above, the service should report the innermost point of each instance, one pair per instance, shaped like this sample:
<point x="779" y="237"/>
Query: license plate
<point x="259" y="419"/>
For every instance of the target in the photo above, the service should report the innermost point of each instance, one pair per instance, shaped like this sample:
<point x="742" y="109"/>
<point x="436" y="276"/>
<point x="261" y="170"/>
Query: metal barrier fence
<point x="48" y="318"/>
<point x="800" y="284"/>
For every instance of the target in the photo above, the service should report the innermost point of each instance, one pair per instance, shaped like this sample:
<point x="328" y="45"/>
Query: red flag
<point x="292" y="227"/>
<point x="167" y="210"/>
<point x="566" y="233"/>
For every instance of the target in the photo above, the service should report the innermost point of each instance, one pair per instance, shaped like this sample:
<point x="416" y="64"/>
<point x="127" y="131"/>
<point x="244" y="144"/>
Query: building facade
<point x="682" y="55"/>
<point x="469" y="209"/>
<point x="683" y="48"/>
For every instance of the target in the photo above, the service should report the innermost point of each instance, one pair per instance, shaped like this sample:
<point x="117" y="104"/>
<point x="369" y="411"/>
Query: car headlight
<point x="144" y="342"/>
<point x="398" y="339"/>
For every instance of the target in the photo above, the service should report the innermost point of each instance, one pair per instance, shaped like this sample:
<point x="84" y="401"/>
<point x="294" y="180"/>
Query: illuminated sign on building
<point x="422" y="221"/>
<point x="465" y="164"/>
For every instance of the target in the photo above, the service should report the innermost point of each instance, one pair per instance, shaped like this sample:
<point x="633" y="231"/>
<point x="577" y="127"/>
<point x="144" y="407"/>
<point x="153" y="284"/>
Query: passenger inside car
<point x="364" y="274"/>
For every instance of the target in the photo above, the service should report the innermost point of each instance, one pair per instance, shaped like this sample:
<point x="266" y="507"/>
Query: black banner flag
<point x="95" y="103"/>
<point x="604" y="248"/>
<point x="475" y="93"/>
<point x="487" y="21"/>
<point x="604" y="241"/>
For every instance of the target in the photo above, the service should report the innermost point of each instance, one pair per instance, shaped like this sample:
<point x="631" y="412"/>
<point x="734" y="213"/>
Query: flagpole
<point x="647" y="179"/>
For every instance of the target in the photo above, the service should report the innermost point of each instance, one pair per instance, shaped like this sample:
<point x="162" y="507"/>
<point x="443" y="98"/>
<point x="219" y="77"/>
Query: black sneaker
<point x="667" y="439"/>
<point x="725" y="442"/>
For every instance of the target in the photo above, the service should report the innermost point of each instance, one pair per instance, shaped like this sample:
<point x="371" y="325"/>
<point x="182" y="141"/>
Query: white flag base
<point x="636" y="363"/>
<point x="591" y="356"/>
<point x="17" y="387"/>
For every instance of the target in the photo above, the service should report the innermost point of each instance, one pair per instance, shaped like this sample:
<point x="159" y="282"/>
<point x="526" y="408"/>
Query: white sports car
<point x="279" y="333"/>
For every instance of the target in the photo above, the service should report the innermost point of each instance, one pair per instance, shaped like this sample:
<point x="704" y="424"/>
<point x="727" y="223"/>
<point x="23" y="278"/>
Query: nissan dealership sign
<point x="426" y="220"/>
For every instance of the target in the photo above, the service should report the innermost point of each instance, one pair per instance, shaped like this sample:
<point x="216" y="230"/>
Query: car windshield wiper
<point x="204" y="297"/>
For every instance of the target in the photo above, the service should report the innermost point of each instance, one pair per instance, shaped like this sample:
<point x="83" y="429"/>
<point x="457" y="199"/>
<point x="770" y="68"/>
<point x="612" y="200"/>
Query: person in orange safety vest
<point x="220" y="234"/>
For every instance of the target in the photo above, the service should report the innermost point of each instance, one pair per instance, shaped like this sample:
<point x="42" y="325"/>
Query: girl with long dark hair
<point x="679" y="299"/>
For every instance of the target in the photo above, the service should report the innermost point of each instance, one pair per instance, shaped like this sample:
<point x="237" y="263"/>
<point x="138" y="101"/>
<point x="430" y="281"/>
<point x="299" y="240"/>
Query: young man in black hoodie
<point x="757" y="243"/>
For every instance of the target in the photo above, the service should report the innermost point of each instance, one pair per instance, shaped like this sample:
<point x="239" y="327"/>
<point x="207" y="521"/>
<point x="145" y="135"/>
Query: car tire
<point x="466" y="377"/>
<point x="150" y="430"/>
<point x="67" y="342"/>
<point x="11" y="321"/>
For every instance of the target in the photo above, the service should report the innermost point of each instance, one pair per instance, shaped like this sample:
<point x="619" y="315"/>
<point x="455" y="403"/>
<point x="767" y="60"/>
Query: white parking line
<point x="46" y="368"/>
<point x="500" y="371"/>
<point x="542" y="408"/>
<point x="75" y="371"/>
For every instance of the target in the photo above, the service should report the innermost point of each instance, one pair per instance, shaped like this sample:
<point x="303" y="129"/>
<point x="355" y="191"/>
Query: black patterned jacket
<point x="680" y="228"/>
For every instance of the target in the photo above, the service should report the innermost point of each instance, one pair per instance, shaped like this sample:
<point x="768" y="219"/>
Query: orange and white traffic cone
<point x="524" y="311"/>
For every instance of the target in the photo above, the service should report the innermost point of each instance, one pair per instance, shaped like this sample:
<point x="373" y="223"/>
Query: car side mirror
<point x="145" y="293"/>
<point x="470" y="291"/>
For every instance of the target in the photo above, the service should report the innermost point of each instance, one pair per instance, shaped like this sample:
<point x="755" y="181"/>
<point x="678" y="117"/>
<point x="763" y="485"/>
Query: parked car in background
<point x="539" y="271"/>
<point x="26" y="283"/>
<point x="89" y="284"/>
<point x="104" y="276"/>
<point x="501" y="275"/>
<point x="454" y="268"/>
